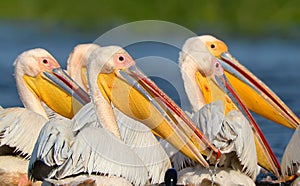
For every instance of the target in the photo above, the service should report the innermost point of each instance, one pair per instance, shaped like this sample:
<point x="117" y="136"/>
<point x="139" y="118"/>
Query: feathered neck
<point x="188" y="70"/>
<point x="103" y="108"/>
<point x="29" y="99"/>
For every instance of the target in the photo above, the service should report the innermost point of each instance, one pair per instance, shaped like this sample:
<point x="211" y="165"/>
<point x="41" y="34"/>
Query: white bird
<point x="20" y="127"/>
<point x="133" y="133"/>
<point x="97" y="147"/>
<point x="222" y="122"/>
<point x="259" y="98"/>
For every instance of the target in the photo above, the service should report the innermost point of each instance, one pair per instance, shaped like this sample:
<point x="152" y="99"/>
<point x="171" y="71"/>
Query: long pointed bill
<point x="256" y="95"/>
<point x="136" y="96"/>
<point x="57" y="92"/>
<point x="219" y="88"/>
<point x="70" y="85"/>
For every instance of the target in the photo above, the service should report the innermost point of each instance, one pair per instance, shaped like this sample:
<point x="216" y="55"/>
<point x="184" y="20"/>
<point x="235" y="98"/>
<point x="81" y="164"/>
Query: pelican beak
<point x="58" y="91"/>
<point x="138" y="97"/>
<point x="256" y="95"/>
<point x="219" y="88"/>
<point x="72" y="87"/>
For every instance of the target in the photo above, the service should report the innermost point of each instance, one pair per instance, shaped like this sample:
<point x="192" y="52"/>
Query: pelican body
<point x="205" y="82"/>
<point x="38" y="85"/>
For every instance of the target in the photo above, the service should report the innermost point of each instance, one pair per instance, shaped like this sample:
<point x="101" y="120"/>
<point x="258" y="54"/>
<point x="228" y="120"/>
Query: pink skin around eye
<point x="48" y="63"/>
<point x="123" y="61"/>
<point x="218" y="69"/>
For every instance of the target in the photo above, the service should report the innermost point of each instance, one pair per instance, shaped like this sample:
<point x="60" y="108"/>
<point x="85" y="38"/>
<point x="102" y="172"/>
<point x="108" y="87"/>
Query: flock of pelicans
<point x="103" y="122"/>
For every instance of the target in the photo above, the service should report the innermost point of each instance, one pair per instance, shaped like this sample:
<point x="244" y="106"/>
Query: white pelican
<point x="133" y="133"/>
<point x="290" y="162"/>
<point x="87" y="148"/>
<point x="201" y="75"/>
<point x="257" y="96"/>
<point x="220" y="121"/>
<point x="34" y="70"/>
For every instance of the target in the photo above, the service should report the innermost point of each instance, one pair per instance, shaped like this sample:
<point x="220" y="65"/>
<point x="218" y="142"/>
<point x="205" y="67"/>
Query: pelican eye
<point x="217" y="65"/>
<point x="45" y="61"/>
<point x="212" y="46"/>
<point x="121" y="58"/>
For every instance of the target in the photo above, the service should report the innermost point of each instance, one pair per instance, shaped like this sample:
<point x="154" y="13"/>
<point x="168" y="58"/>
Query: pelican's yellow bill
<point x="257" y="96"/>
<point x="53" y="96"/>
<point x="262" y="104"/>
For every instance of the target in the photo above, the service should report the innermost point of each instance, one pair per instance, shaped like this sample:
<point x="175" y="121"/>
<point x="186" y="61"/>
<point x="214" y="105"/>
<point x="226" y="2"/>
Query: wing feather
<point x="136" y="135"/>
<point x="291" y="160"/>
<point x="209" y="120"/>
<point x="20" y="128"/>
<point x="142" y="141"/>
<point x="244" y="143"/>
<point x="52" y="148"/>
<point x="86" y="117"/>
<point x="97" y="151"/>
<point x="230" y="133"/>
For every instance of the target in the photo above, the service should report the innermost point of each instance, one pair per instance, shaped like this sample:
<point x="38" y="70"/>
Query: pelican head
<point x="114" y="78"/>
<point x="200" y="69"/>
<point x="257" y="96"/>
<point x="205" y="81"/>
<point x="34" y="62"/>
<point x="77" y="63"/>
<point x="40" y="78"/>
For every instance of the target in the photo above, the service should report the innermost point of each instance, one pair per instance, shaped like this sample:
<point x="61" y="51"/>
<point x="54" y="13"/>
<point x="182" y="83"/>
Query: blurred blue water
<point x="276" y="62"/>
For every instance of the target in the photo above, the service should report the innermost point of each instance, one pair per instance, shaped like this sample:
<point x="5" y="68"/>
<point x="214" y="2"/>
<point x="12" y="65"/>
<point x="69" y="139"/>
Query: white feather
<point x="230" y="134"/>
<point x="96" y="150"/>
<point x="291" y="160"/>
<point x="77" y="147"/>
<point x="20" y="128"/>
<point x="86" y="117"/>
<point x="53" y="143"/>
<point x="142" y="141"/>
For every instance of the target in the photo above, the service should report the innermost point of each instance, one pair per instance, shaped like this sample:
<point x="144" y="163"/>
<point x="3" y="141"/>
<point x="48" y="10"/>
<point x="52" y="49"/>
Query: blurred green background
<point x="256" y="18"/>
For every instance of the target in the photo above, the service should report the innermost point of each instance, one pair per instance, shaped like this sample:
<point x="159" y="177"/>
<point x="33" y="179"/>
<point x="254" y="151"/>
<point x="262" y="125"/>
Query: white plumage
<point x="230" y="133"/>
<point x="84" y="145"/>
<point x="290" y="163"/>
<point x="20" y="127"/>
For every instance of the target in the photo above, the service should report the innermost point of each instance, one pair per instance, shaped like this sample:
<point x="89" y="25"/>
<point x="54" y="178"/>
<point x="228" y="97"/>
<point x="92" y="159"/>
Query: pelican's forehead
<point x="106" y="54"/>
<point x="37" y="53"/>
<point x="196" y="49"/>
<point x="108" y="51"/>
<point x="194" y="44"/>
<point x="37" y="58"/>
